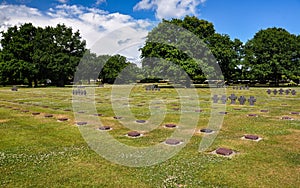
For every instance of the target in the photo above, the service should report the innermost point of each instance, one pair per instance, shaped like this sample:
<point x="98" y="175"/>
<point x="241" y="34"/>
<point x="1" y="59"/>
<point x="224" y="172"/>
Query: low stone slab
<point x="172" y="141"/>
<point x="224" y="151"/>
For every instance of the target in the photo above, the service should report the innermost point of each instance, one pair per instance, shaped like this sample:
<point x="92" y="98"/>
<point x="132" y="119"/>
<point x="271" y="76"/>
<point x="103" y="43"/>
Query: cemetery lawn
<point x="41" y="152"/>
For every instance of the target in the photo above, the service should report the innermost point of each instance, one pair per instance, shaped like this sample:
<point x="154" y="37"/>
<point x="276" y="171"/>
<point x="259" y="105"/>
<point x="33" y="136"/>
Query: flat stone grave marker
<point x="140" y="121"/>
<point x="62" y="119"/>
<point x="237" y="109"/>
<point x="206" y="130"/>
<point x="252" y="100"/>
<point x="117" y="117"/>
<point x="264" y="110"/>
<point x="25" y="111"/>
<point x="232" y="98"/>
<point x="172" y="141"/>
<point x="48" y="115"/>
<point x="224" y="151"/>
<point x="287" y="118"/>
<point x="97" y="114"/>
<point x="252" y="115"/>
<point x="105" y="128"/>
<point x="170" y="125"/>
<point x="35" y="113"/>
<point x="133" y="134"/>
<point x="215" y="99"/>
<point x="198" y="110"/>
<point x="223" y="113"/>
<point x="251" y="137"/>
<point x="81" y="123"/>
<point x="295" y="113"/>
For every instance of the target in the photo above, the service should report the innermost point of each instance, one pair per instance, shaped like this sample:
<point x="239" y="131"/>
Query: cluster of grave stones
<point x="246" y="87"/>
<point x="79" y="91"/>
<point x="282" y="91"/>
<point x="14" y="88"/>
<point x="233" y="99"/>
<point x="152" y="88"/>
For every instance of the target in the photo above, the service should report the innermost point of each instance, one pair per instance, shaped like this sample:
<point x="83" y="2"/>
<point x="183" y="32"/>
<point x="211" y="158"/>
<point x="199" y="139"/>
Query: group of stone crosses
<point x="241" y="87"/>
<point x="242" y="100"/>
<point x="281" y="91"/>
<point x="80" y="91"/>
<point x="152" y="88"/>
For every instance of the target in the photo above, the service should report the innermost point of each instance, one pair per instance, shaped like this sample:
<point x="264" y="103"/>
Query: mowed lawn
<point x="36" y="151"/>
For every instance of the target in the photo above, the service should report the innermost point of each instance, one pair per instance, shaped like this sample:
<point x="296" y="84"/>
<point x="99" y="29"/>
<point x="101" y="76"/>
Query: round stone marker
<point x="206" y="130"/>
<point x="62" y="119"/>
<point x="224" y="151"/>
<point x="264" y="110"/>
<point x="252" y="115"/>
<point x="251" y="137"/>
<point x="81" y="123"/>
<point x="117" y="117"/>
<point x="35" y="113"/>
<point x="48" y="115"/>
<point x="140" y="121"/>
<point x="172" y="141"/>
<point x="134" y="134"/>
<point x="286" y="118"/>
<point x="105" y="128"/>
<point x="170" y="125"/>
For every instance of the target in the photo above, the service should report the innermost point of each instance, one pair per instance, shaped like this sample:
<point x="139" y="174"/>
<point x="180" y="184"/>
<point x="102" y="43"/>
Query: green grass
<point x="42" y="152"/>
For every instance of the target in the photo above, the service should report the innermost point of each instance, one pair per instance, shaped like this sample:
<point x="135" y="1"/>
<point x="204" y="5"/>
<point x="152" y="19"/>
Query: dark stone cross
<point x="280" y="91"/>
<point x="252" y="100"/>
<point x="242" y="100"/>
<point x="223" y="99"/>
<point x="287" y="91"/>
<point x="275" y="91"/>
<point x="269" y="91"/>
<point x="293" y="92"/>
<point x="215" y="99"/>
<point x="232" y="98"/>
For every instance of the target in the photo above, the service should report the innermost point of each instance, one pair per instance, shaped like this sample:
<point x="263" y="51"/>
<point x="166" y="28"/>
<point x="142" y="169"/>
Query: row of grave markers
<point x="281" y="91"/>
<point x="242" y="99"/>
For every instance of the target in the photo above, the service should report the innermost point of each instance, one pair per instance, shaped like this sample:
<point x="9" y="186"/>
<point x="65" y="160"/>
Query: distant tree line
<point x="52" y="55"/>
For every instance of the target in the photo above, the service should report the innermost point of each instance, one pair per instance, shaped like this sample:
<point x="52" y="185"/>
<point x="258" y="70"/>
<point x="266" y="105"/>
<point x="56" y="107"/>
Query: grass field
<point x="41" y="152"/>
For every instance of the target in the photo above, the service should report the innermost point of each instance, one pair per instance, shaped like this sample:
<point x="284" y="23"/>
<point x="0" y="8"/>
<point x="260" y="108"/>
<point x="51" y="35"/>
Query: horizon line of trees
<point x="33" y="55"/>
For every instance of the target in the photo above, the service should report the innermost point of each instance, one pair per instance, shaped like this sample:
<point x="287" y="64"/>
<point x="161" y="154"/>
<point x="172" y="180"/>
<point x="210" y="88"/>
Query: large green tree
<point x="33" y="54"/>
<point x="194" y="46"/>
<point x="272" y="53"/>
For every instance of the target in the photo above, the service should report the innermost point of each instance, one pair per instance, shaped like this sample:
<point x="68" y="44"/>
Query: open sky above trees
<point x="272" y="53"/>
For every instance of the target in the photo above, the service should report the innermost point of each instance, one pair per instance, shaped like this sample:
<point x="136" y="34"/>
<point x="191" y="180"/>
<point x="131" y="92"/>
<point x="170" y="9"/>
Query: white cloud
<point x="170" y="8"/>
<point x="62" y="1"/>
<point x="94" y="25"/>
<point x="98" y="2"/>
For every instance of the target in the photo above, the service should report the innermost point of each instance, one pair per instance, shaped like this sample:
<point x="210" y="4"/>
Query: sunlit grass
<point x="41" y="152"/>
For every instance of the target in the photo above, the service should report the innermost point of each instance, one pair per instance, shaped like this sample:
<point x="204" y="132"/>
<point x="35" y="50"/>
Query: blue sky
<point x="95" y="18"/>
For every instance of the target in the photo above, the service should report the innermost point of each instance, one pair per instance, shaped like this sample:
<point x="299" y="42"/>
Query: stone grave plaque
<point x="224" y="151"/>
<point x="172" y="141"/>
<point x="223" y="99"/>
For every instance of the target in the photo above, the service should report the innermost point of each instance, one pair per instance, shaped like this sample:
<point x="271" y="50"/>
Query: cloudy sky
<point x="111" y="26"/>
